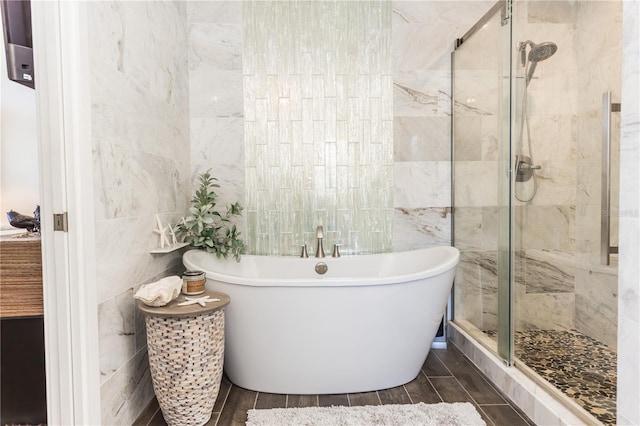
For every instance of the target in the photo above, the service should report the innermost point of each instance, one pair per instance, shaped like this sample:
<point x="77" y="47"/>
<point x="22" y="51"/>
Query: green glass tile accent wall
<point x="318" y="92"/>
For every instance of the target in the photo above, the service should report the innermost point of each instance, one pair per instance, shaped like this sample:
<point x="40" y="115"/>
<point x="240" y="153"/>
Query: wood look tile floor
<point x="446" y="376"/>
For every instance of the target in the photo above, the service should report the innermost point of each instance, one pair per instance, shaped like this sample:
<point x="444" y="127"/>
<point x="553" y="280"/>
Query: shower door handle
<point x="605" y="212"/>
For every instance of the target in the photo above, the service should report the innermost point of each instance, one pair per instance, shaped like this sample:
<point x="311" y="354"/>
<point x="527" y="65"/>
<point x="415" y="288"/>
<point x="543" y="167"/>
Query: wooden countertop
<point x="20" y="277"/>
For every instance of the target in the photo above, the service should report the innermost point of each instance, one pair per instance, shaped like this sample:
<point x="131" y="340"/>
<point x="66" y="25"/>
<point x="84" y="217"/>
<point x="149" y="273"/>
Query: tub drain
<point x="321" y="268"/>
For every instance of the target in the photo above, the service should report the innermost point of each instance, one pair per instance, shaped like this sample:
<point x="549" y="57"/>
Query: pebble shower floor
<point x="583" y="368"/>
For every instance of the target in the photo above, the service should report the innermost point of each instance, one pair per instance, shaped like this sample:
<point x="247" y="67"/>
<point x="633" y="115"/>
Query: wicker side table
<point x="186" y="355"/>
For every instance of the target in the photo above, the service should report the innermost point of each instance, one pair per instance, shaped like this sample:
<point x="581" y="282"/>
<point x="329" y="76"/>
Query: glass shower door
<point x="480" y="173"/>
<point x="535" y="149"/>
<point x="565" y="299"/>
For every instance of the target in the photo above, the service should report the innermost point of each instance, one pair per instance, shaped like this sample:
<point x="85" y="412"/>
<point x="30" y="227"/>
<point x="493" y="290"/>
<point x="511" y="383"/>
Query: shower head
<point x="542" y="51"/>
<point x="539" y="52"/>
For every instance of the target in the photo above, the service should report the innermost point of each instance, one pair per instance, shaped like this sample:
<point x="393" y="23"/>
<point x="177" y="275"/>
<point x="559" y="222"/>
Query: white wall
<point x="19" y="168"/>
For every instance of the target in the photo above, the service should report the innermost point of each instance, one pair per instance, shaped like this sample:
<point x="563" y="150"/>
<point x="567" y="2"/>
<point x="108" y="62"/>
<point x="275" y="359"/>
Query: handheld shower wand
<point x="525" y="168"/>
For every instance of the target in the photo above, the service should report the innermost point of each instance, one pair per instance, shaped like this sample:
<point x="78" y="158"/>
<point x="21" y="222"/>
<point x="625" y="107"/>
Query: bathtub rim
<point x="450" y="261"/>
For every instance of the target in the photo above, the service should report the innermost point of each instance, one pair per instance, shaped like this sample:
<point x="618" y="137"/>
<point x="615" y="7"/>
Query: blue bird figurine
<point x="30" y="223"/>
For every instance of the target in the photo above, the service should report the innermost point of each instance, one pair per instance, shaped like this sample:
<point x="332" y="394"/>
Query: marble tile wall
<point x="629" y="283"/>
<point x="140" y="138"/>
<point x="599" y="57"/>
<point x="216" y="111"/>
<point x="422" y="40"/>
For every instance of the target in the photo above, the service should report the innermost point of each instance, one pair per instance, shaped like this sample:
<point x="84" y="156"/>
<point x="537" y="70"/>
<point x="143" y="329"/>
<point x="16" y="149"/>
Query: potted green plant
<point x="208" y="229"/>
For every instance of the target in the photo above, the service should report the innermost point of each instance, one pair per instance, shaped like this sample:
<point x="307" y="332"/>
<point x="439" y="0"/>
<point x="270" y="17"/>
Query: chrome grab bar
<point x="605" y="212"/>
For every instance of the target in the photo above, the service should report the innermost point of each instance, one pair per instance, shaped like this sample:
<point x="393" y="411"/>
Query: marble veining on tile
<point x="476" y="287"/>
<point x="418" y="98"/>
<point x="422" y="227"/>
<point x="422" y="184"/>
<point x="549" y="271"/>
<point x="125" y="394"/>
<point x="544" y="310"/>
<point x="117" y="333"/>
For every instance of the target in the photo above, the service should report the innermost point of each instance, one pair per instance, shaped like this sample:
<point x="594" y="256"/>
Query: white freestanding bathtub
<point x="366" y="324"/>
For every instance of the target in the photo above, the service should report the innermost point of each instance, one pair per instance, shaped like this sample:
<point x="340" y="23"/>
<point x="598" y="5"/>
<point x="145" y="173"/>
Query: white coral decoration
<point x="160" y="292"/>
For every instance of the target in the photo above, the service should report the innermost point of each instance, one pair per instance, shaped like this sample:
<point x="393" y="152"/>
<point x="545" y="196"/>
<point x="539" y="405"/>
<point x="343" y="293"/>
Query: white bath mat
<point x="455" y="414"/>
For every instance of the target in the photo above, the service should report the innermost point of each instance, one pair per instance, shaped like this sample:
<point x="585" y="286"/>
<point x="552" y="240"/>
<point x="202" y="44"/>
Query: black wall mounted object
<point x="18" y="45"/>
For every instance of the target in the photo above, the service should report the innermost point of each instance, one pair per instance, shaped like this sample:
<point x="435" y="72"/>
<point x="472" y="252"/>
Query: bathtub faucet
<point x="319" y="238"/>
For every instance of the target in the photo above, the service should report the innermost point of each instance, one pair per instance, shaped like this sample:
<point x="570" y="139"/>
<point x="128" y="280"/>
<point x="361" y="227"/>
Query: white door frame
<point x="61" y="63"/>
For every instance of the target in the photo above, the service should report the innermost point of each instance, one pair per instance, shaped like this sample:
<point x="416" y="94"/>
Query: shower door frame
<point x="505" y="262"/>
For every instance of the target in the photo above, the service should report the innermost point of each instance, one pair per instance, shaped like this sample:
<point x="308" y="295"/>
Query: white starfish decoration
<point x="161" y="231"/>
<point x="172" y="233"/>
<point x="199" y="300"/>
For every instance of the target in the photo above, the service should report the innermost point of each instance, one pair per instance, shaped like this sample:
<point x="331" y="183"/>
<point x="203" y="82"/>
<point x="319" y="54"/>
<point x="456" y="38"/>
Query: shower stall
<point x="535" y="154"/>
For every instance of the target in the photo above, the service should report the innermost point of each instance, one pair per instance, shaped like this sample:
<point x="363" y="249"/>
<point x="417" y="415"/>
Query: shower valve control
<point x="524" y="168"/>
